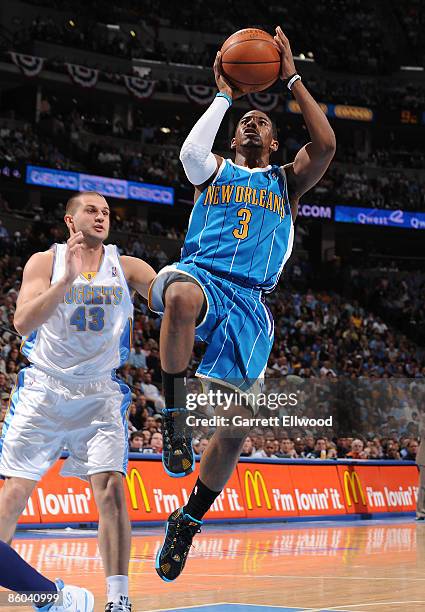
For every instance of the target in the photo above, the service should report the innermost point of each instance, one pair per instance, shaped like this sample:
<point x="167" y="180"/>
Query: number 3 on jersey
<point x="96" y="322"/>
<point x="242" y="232"/>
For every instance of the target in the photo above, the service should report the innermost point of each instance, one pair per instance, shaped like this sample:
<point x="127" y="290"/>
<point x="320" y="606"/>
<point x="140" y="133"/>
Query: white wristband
<point x="296" y="77"/>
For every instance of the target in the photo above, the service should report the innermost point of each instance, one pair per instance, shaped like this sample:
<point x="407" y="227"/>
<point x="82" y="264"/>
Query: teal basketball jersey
<point x="241" y="226"/>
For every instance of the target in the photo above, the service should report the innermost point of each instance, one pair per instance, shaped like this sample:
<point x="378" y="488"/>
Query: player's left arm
<point x="138" y="273"/>
<point x="312" y="161"/>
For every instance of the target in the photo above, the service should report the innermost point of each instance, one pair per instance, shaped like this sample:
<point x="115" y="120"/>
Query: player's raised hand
<point x="287" y="64"/>
<point x="222" y="83"/>
<point x="73" y="256"/>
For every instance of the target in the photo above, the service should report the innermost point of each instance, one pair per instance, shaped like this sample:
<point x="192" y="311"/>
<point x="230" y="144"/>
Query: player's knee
<point x="183" y="302"/>
<point x="14" y="498"/>
<point x="110" y="496"/>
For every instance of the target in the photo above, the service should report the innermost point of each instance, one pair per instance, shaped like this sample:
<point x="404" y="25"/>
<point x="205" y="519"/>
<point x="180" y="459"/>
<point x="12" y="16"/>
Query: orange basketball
<point x="250" y="60"/>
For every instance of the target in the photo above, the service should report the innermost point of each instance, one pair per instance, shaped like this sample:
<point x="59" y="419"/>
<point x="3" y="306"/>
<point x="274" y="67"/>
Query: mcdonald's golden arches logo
<point x="255" y="480"/>
<point x="131" y="484"/>
<point x="352" y="483"/>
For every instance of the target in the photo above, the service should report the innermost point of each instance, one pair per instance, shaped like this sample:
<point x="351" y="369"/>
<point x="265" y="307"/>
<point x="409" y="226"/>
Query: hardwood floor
<point x="372" y="566"/>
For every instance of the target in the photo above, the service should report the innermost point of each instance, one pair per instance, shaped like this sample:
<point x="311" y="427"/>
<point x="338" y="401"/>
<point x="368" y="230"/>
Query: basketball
<point x="250" y="60"/>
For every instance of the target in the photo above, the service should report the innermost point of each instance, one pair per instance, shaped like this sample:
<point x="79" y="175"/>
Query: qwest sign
<point x="379" y="216"/>
<point x="109" y="187"/>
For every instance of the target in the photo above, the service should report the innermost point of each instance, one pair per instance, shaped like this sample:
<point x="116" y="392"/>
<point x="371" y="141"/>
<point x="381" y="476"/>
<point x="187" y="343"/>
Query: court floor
<point x="361" y="566"/>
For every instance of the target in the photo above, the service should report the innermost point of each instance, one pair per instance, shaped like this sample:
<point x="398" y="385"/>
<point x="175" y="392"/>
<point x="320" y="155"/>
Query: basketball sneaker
<point x="177" y="455"/>
<point x="74" y="599"/>
<point x="179" y="531"/>
<point x="122" y="605"/>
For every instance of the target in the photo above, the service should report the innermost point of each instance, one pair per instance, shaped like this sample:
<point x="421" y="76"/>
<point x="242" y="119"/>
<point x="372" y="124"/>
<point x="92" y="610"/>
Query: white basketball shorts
<point x="48" y="415"/>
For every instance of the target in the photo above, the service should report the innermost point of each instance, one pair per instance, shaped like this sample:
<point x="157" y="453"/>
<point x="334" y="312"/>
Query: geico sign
<point x="352" y="483"/>
<point x="150" y="194"/>
<point x="313" y="210"/>
<point x="110" y="187"/>
<point x="115" y="188"/>
<point x="131" y="484"/>
<point x="56" y="179"/>
<point x="254" y="481"/>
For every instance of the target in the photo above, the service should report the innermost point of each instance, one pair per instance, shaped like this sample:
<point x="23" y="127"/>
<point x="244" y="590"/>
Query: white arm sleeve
<point x="198" y="161"/>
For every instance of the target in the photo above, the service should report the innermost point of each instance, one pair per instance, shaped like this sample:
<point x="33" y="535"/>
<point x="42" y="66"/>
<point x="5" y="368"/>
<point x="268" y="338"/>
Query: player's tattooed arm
<point x="138" y="273"/>
<point x="38" y="299"/>
<point x="312" y="160"/>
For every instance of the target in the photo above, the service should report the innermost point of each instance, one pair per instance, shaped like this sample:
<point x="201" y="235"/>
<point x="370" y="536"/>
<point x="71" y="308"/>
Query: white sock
<point x="116" y="586"/>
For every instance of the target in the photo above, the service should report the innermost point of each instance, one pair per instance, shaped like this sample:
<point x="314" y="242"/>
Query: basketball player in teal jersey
<point x="239" y="237"/>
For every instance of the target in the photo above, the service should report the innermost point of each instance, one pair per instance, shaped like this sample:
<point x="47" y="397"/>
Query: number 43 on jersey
<point x="88" y="318"/>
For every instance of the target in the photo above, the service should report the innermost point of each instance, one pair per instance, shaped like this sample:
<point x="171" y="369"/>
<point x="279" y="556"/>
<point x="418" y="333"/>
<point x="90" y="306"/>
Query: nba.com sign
<point x="109" y="187"/>
<point x="315" y="211"/>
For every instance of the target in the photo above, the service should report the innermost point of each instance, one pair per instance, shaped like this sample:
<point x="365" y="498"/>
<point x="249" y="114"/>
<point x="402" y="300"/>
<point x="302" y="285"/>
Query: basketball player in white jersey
<point x="75" y="314"/>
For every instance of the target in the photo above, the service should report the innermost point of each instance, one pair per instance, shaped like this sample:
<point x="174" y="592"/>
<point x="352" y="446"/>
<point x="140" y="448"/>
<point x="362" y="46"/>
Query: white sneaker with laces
<point x="74" y="599"/>
<point x="122" y="605"/>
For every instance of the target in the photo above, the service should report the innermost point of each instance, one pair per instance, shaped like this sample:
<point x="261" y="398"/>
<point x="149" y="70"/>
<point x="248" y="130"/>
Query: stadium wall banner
<point x="204" y="94"/>
<point x="82" y="75"/>
<point x="200" y="94"/>
<point x="29" y="65"/>
<point x="258" y="490"/>
<point x="264" y="101"/>
<point x="378" y="216"/>
<point x="337" y="111"/>
<point x="110" y="187"/>
<point x="142" y="89"/>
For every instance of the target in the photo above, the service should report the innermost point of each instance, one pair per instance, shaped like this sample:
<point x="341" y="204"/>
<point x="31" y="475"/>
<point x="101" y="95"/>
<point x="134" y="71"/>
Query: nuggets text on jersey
<point x="95" y="294"/>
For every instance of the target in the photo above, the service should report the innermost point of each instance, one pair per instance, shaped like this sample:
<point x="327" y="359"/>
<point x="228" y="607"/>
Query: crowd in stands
<point x="146" y="438"/>
<point x="411" y="14"/>
<point x="24" y="144"/>
<point x="45" y="226"/>
<point x="392" y="189"/>
<point x="382" y="95"/>
<point x="399" y="295"/>
<point x="155" y="160"/>
<point x="387" y="157"/>
<point x="360" y="33"/>
<point x="89" y="35"/>
<point x="362" y="91"/>
<point x="342" y="360"/>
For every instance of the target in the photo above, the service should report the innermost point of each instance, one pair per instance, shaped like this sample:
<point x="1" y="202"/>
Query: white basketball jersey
<point x="89" y="333"/>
